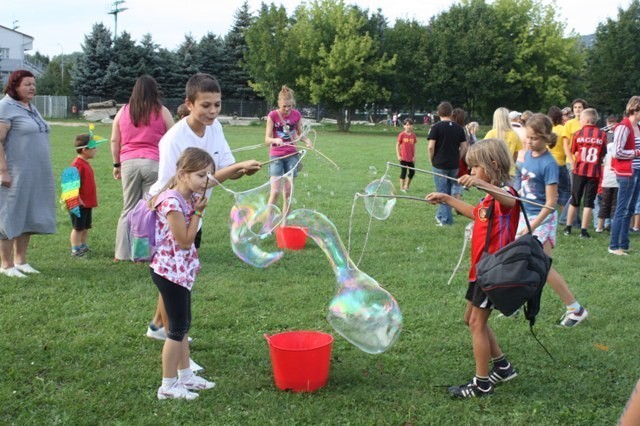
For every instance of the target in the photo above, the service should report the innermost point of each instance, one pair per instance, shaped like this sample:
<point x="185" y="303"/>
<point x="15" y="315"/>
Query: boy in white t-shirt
<point x="200" y="129"/>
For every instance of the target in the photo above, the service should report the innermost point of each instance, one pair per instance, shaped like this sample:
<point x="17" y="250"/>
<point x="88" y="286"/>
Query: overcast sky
<point x="60" y="26"/>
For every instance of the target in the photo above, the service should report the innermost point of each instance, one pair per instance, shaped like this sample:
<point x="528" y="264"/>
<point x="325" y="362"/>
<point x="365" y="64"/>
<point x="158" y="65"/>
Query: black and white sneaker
<point x="470" y="390"/>
<point x="499" y="375"/>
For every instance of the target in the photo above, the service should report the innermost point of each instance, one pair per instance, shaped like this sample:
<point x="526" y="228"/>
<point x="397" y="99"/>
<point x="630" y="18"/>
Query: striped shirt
<point x="588" y="146"/>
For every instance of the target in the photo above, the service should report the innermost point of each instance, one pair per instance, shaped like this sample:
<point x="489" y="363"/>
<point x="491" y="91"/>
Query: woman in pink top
<point x="136" y="133"/>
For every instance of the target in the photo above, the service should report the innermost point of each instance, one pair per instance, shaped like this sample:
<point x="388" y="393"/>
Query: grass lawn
<point x="73" y="349"/>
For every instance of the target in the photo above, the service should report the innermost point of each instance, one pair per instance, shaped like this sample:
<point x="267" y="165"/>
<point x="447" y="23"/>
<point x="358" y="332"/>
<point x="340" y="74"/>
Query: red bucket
<point x="291" y="237"/>
<point x="300" y="359"/>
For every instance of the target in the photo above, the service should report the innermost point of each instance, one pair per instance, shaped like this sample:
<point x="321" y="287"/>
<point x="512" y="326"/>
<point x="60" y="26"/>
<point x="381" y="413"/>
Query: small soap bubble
<point x="420" y="249"/>
<point x="372" y="171"/>
<point x="332" y="193"/>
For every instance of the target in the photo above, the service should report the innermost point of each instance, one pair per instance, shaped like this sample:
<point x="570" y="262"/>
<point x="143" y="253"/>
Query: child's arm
<point x="398" y="144"/>
<point x="237" y="170"/>
<point x="268" y="139"/>
<point x="566" y="144"/>
<point x="305" y="139"/>
<point x="185" y="236"/>
<point x="459" y="205"/>
<point x="500" y="195"/>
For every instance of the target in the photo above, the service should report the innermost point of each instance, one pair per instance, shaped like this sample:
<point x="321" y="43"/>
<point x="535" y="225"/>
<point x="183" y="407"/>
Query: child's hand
<point x="468" y="181"/>
<point x="200" y="204"/>
<point x="437" y="198"/>
<point x="277" y="142"/>
<point x="251" y="167"/>
<point x="308" y="143"/>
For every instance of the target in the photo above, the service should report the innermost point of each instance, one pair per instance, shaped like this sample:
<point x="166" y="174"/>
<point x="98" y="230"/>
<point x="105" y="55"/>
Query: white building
<point x="13" y="44"/>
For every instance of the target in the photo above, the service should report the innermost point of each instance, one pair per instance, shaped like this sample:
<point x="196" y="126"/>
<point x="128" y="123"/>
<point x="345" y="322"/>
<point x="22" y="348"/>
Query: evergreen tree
<point x="186" y="61"/>
<point x="89" y="77"/>
<point x="236" y="81"/>
<point x="171" y="79"/>
<point x="149" y="59"/>
<point x="125" y="68"/>
<point x="211" y="57"/>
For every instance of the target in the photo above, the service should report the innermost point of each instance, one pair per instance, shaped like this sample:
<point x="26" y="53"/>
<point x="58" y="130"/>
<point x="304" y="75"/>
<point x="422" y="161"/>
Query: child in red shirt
<point x="86" y="149"/>
<point x="490" y="162"/>
<point x="406" y="152"/>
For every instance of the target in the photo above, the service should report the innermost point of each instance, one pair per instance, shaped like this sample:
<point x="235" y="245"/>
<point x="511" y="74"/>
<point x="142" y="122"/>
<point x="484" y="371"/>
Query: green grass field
<point x="73" y="349"/>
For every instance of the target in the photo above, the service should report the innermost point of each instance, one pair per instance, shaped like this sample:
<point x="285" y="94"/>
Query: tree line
<point x="477" y="55"/>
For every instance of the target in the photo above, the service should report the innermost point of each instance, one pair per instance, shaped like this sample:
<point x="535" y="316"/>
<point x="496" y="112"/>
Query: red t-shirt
<point x="407" y="146"/>
<point x="589" y="147"/>
<point x="503" y="230"/>
<point x="88" y="194"/>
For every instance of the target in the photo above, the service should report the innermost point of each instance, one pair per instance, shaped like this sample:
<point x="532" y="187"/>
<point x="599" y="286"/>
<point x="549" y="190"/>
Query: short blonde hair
<point x="590" y="114"/>
<point x="494" y="157"/>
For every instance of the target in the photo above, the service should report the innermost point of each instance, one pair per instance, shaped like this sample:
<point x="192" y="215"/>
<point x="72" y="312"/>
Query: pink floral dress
<point x="170" y="261"/>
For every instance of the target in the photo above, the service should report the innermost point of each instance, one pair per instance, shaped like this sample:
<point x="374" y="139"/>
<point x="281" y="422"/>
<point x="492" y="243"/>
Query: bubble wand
<point x="480" y="187"/>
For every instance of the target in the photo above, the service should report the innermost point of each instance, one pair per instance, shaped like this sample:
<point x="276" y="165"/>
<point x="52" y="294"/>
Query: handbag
<point x="516" y="274"/>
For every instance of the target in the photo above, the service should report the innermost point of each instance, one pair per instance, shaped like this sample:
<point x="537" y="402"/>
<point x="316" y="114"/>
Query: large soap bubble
<point x="362" y="311"/>
<point x="379" y="198"/>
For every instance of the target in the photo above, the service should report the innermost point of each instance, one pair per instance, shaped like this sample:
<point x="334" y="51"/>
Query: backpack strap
<point x="172" y="193"/>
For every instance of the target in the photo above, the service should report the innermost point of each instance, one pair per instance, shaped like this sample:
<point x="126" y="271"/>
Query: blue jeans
<point x="444" y="185"/>
<point x="629" y="187"/>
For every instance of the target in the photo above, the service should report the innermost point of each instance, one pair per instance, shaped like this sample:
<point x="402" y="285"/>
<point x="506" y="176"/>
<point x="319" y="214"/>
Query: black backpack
<point x="516" y="274"/>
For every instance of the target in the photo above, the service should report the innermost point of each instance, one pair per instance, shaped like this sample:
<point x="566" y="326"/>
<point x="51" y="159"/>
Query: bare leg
<point x="175" y="355"/>
<point x="75" y="238"/>
<point x="20" y="246"/>
<point x="586" y="217"/>
<point x="571" y="215"/>
<point x="158" y="317"/>
<point x="485" y="344"/>
<point x="557" y="283"/>
<point x="6" y="248"/>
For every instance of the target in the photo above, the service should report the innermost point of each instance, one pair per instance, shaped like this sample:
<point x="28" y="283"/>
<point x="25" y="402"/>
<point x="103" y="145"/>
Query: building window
<point x="4" y="53"/>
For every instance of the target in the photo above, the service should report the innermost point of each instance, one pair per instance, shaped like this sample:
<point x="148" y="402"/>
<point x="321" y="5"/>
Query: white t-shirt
<point x="180" y="137"/>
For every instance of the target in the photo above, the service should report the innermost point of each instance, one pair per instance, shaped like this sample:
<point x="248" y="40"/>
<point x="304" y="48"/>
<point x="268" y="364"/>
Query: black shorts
<point x="83" y="222"/>
<point x="583" y="185"/>
<point x="477" y="297"/>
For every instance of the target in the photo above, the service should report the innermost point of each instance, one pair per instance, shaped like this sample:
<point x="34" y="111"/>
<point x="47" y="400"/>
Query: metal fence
<point x="73" y="106"/>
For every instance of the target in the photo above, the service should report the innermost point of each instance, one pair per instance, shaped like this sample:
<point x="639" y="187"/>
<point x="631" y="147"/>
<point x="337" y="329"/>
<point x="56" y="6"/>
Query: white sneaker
<point x="177" y="391"/>
<point x="194" y="382"/>
<point x="195" y="367"/>
<point x="12" y="272"/>
<point x="571" y="319"/>
<point x="26" y="269"/>
<point x="159" y="333"/>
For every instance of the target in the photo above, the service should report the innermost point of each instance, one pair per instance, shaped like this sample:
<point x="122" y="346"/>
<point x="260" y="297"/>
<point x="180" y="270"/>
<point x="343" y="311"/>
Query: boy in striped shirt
<point x="588" y="148"/>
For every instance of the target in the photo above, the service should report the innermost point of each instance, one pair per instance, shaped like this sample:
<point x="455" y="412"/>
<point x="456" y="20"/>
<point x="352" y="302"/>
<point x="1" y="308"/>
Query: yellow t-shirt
<point x="513" y="143"/>
<point x="558" y="150"/>
<point x="570" y="127"/>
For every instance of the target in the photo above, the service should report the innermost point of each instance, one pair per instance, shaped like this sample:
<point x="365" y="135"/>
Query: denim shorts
<point x="283" y="165"/>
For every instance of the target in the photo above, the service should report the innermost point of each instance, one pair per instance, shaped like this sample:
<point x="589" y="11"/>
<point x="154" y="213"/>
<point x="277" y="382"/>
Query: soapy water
<point x="362" y="312"/>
